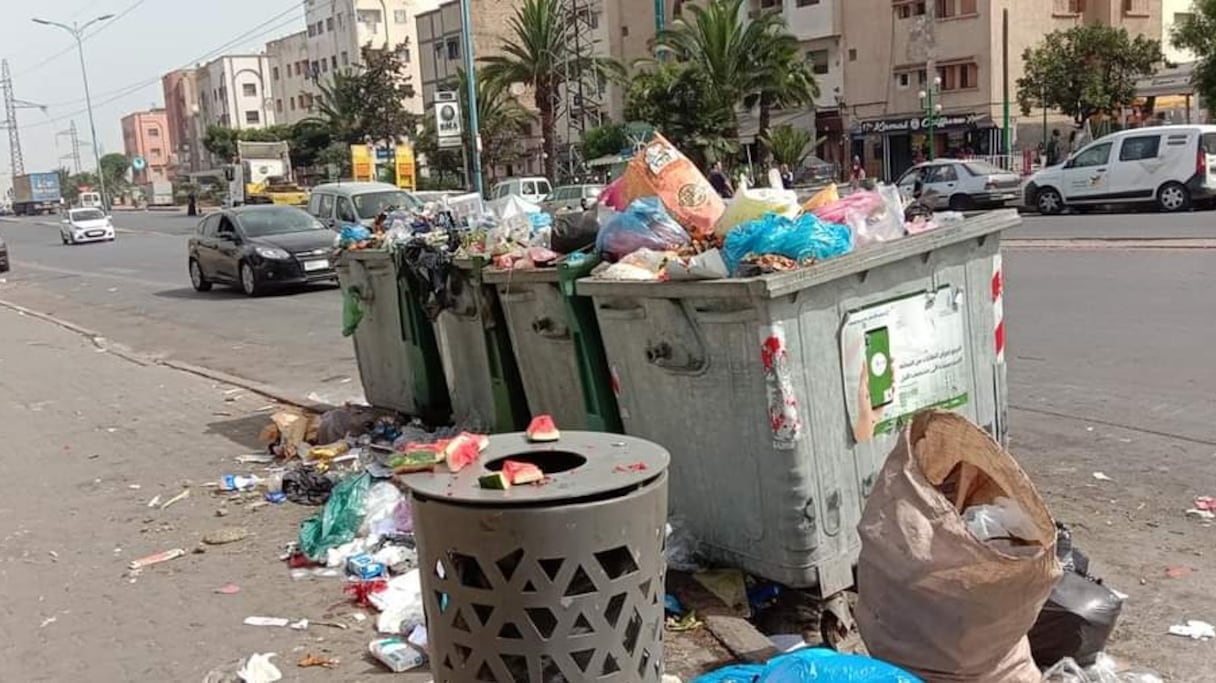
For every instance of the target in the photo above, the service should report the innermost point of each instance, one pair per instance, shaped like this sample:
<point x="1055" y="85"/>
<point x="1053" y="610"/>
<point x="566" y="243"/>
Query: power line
<point x="130" y="8"/>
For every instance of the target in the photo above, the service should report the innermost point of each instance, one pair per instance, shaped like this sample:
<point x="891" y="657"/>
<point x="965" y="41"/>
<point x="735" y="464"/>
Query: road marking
<point x="93" y="273"/>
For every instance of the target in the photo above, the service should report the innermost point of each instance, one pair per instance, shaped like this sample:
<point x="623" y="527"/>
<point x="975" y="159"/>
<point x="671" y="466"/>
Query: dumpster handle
<point x="660" y="354"/>
<point x="633" y="313"/>
<point x="548" y="329"/>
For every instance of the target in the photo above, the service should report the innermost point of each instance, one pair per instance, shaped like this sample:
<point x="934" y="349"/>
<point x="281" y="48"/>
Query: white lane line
<point x="93" y="273"/>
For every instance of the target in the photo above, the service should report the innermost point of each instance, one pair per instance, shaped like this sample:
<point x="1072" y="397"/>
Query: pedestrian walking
<point x="858" y="174"/>
<point x="1053" y="148"/>
<point x="191" y="206"/>
<point x="787" y="177"/>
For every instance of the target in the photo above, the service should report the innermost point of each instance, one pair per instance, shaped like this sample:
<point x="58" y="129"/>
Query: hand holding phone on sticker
<point x="876" y="385"/>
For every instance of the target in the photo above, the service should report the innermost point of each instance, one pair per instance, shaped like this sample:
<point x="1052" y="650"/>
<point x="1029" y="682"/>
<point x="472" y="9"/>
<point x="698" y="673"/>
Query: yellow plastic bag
<point x="822" y="198"/>
<point x="749" y="205"/>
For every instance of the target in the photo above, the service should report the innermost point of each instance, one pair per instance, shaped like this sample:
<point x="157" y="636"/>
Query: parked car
<point x="813" y="171"/>
<point x="961" y="184"/>
<point x="336" y="204"/>
<point x="4" y="264"/>
<point x="259" y="247"/>
<point x="86" y="225"/>
<point x="1171" y="166"/>
<point x="571" y="198"/>
<point x="533" y="189"/>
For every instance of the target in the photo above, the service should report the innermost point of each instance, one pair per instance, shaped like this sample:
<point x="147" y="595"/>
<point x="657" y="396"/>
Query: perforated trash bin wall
<point x="556" y="582"/>
<point x="753" y="384"/>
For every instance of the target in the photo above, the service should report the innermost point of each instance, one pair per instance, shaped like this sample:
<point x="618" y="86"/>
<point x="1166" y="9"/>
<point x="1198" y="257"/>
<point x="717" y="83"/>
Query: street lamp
<point x="933" y="109"/>
<point x="77" y="30"/>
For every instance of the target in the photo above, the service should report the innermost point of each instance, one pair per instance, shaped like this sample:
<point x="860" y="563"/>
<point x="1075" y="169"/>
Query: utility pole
<point x="10" y="120"/>
<point x="75" y="140"/>
<point x="1006" y="131"/>
<point x="77" y="31"/>
<point x="933" y="81"/>
<point x="466" y="33"/>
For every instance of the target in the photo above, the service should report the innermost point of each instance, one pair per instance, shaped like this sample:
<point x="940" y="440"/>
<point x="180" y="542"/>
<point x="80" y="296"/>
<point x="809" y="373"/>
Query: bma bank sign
<point x="915" y="124"/>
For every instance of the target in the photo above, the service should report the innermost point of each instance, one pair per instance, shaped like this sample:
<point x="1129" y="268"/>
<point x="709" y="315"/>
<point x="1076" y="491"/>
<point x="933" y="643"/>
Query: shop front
<point x="890" y="146"/>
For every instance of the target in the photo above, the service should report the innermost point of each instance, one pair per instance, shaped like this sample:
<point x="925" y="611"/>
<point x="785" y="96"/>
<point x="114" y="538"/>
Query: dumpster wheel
<point x="837" y="626"/>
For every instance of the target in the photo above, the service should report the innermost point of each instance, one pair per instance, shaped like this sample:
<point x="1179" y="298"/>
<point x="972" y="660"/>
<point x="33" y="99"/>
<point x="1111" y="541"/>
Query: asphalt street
<point x="1118" y="225"/>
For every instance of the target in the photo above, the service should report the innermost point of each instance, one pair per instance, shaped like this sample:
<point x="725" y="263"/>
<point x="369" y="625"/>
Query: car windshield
<point x="983" y="168"/>
<point x="277" y="220"/>
<point x="371" y="203"/>
<point x="87" y="215"/>
<point x="591" y="192"/>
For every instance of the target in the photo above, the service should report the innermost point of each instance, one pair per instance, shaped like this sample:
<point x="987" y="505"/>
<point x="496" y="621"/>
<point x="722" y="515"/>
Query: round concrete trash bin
<point x="557" y="581"/>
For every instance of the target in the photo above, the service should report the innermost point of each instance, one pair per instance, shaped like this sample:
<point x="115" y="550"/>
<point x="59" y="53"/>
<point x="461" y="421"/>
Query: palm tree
<point x="537" y="53"/>
<point x="783" y="80"/>
<point x="729" y="50"/>
<point x="501" y="119"/>
<point x="341" y="106"/>
<point x="788" y="145"/>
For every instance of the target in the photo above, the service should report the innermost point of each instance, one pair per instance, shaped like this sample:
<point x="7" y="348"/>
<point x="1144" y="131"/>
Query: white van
<point x="533" y="189"/>
<point x="1171" y="166"/>
<point x="90" y="200"/>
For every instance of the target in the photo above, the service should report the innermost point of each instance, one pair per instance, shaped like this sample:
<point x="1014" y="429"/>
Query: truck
<point x="35" y="193"/>
<point x="261" y="174"/>
<point x="158" y="193"/>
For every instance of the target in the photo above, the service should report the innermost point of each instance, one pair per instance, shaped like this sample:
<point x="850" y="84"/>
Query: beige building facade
<point x="888" y="46"/>
<point x="290" y="83"/>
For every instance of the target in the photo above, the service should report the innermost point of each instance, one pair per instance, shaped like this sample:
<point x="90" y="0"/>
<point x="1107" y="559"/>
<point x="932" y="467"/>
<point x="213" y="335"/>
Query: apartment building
<point x="291" y="85"/>
<point x="888" y="48"/>
<point x="1173" y="12"/>
<point x="182" y="112"/>
<point x="339" y="29"/>
<point x="146" y="134"/>
<point x="235" y="91"/>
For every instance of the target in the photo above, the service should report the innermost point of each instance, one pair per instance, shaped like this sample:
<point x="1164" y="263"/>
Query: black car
<point x="259" y="247"/>
<point x="3" y="256"/>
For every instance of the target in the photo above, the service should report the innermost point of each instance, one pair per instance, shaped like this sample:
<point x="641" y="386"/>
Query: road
<point x="1109" y="357"/>
<point x="135" y="291"/>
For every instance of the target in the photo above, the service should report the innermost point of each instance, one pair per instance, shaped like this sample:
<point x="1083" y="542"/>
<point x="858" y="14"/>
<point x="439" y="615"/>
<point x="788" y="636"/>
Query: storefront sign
<point x="915" y="124"/>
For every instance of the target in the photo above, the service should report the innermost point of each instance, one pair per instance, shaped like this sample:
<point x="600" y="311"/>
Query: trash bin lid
<point x="580" y="465"/>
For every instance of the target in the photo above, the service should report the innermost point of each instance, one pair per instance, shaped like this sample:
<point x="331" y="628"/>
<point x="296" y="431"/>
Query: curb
<point x="102" y="342"/>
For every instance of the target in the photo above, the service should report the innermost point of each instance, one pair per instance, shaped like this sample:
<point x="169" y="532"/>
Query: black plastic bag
<point x="1076" y="621"/>
<point x="574" y="231"/>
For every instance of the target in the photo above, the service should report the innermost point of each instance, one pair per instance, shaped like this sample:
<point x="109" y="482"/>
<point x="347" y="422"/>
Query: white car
<point x="86" y="225"/>
<point x="961" y="184"/>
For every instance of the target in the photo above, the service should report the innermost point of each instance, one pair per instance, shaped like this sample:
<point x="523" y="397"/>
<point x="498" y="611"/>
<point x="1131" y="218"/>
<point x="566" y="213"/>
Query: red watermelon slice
<point x="519" y="473"/>
<point x="483" y="441"/>
<point x="542" y="428"/>
<point x="461" y="451"/>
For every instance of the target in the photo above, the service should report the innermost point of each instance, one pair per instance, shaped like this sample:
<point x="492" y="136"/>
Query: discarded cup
<point x="396" y="654"/>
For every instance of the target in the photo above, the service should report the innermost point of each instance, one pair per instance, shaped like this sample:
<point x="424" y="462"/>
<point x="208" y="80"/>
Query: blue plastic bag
<point x="812" y="665"/>
<point x="644" y="224"/>
<point x="803" y="238"/>
<point x="354" y="234"/>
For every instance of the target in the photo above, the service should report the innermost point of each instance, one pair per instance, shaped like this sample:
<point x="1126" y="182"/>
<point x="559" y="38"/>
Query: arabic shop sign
<point x="914" y="124"/>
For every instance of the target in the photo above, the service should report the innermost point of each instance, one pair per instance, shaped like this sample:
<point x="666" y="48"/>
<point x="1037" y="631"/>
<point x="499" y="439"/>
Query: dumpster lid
<point x="781" y="284"/>
<point x="580" y="465"/>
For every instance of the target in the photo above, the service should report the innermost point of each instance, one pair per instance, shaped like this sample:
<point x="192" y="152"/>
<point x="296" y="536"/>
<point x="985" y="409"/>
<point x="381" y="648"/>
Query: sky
<point x="125" y="57"/>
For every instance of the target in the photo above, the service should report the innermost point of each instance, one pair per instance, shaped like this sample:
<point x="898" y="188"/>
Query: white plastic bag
<point x="380" y="506"/>
<point x="882" y="224"/>
<point x="1004" y="518"/>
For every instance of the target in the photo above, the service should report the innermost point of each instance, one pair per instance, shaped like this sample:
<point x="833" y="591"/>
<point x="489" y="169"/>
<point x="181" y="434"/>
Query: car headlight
<point x="272" y="253"/>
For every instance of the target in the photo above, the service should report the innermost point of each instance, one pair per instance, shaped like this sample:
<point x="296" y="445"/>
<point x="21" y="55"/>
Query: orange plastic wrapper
<point x="660" y="170"/>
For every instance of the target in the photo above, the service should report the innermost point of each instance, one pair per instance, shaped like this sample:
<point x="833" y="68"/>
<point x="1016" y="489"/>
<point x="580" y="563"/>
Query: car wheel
<point x="249" y="281"/>
<point x="200" y="281"/>
<point x="961" y="202"/>
<point x="63" y="238"/>
<point x="1049" y="202"/>
<point x="1173" y="197"/>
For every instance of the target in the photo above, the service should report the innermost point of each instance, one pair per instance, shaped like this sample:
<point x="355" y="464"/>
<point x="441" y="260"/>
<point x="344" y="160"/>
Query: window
<point x="329" y="24"/>
<point x="345" y="59"/>
<point x="806" y="3"/>
<point x="320" y="28"/>
<point x="274" y="73"/>
<point x="316" y="69"/>
<point x="314" y="204"/>
<point x="852" y="54"/>
<point x="1096" y="155"/>
<point x="252" y="116"/>
<point x="1068" y="7"/>
<point x="767" y="4"/>
<point x="333" y="61"/>
<point x="624" y="31"/>
<point x="300" y="98"/>
<point x="325" y="65"/>
<point x="278" y="105"/>
<point x="1140" y="147"/>
<point x="907" y="10"/>
<point x="153" y="132"/>
<point x="966" y="7"/>
<point x="968" y="76"/>
<point x="154" y="152"/>
<point x="340" y="20"/>
<point x="291" y="103"/>
<point x="327" y="206"/>
<point x="367" y="16"/>
<point x="346" y="212"/>
<point x="404" y="53"/>
<point x="453" y="48"/>
<point x="1135" y="7"/>
<point x="944" y="173"/>
<point x="818" y="60"/>
<point x="527" y="187"/>
<point x="312" y="30"/>
<point x="400" y="16"/>
<point x="206" y="227"/>
<point x="903" y="80"/>
<point x="249" y="89"/>
<point x="945" y="8"/>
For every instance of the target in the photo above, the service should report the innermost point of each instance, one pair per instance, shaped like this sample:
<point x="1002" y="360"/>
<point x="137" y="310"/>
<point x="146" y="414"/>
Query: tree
<point x="221" y="141"/>
<point x="604" y="140"/>
<point x="1197" y="32"/>
<point x="678" y="101"/>
<point x="789" y="145"/>
<point x="736" y="55"/>
<point x="537" y="53"/>
<point x="1086" y="70"/>
<point x="783" y="79"/>
<point x="308" y="139"/>
<point x="368" y="100"/>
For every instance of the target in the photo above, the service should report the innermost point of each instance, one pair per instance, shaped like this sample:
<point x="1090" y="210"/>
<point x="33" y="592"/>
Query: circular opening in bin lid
<point x="581" y="466"/>
<point x="549" y="462"/>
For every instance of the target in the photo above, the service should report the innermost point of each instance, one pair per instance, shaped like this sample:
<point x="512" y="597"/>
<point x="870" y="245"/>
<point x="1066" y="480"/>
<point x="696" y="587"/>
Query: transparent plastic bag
<point x="380" y="507"/>
<point x="645" y="224"/>
<point x="338" y="522"/>
<point x="1004" y="518"/>
<point x="883" y="222"/>
<point x="802" y="239"/>
<point x="750" y="205"/>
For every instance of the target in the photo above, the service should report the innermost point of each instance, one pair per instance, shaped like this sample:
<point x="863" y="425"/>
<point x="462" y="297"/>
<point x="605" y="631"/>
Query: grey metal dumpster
<point x="552" y="582"/>
<point x="780" y="396"/>
<point x="379" y="348"/>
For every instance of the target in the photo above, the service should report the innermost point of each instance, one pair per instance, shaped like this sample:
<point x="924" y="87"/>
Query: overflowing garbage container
<point x="558" y="581"/>
<point x="780" y="395"/>
<point x="395" y="345"/>
<point x="556" y="341"/>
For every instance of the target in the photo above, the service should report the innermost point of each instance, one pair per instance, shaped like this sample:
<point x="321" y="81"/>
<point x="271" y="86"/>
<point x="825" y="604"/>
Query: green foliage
<point x="537" y="52"/>
<point x="678" y="100"/>
<point x="114" y="168"/>
<point x="221" y="141"/>
<point x="1086" y="70"/>
<point x="336" y="155"/>
<point x="368" y="100"/>
<point x="1197" y="32"/>
<point x="604" y="140"/>
<point x="789" y="145"/>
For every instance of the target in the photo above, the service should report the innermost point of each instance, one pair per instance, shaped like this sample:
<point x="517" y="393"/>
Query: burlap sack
<point x="660" y="170"/>
<point x="933" y="598"/>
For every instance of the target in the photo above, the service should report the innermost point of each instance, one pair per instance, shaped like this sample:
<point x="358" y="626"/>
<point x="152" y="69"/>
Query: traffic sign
<point x="138" y="163"/>
<point x="447" y="117"/>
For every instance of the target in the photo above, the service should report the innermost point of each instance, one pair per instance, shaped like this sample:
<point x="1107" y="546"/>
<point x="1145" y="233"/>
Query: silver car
<point x="571" y="198"/>
<point x="962" y="184"/>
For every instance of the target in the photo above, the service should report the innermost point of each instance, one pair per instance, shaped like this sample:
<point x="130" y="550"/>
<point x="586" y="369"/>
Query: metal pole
<point x="659" y="18"/>
<point x="1006" y="137"/>
<point x="466" y="31"/>
<point x="88" y="99"/>
<point x="932" y="125"/>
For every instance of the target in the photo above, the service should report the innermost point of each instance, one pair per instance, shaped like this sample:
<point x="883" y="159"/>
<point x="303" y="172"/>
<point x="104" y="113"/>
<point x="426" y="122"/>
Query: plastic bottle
<point x="237" y="482"/>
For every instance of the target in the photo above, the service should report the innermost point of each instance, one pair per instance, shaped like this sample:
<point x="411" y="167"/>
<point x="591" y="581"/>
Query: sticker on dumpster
<point x="902" y="357"/>
<point x="782" y="404"/>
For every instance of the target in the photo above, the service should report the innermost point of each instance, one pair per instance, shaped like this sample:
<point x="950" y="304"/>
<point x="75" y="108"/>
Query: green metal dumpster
<point x="395" y="345"/>
<point x="779" y="397"/>
<point x="475" y="346"/>
<point x="557" y="345"/>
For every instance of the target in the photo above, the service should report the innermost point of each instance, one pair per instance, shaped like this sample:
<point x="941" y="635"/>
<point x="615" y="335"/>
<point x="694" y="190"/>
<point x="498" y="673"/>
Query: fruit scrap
<point x="462" y="451"/>
<point x="632" y="467"/>
<point x="542" y="428"/>
<point x="310" y="660"/>
<point x="519" y="473"/>
<point x="496" y="481"/>
<point x="416" y="458"/>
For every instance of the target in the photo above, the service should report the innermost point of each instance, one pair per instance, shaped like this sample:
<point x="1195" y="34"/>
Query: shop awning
<point x="1170" y="81"/>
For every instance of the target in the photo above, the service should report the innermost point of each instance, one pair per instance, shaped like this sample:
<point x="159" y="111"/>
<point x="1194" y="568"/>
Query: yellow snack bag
<point x="660" y="170"/>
